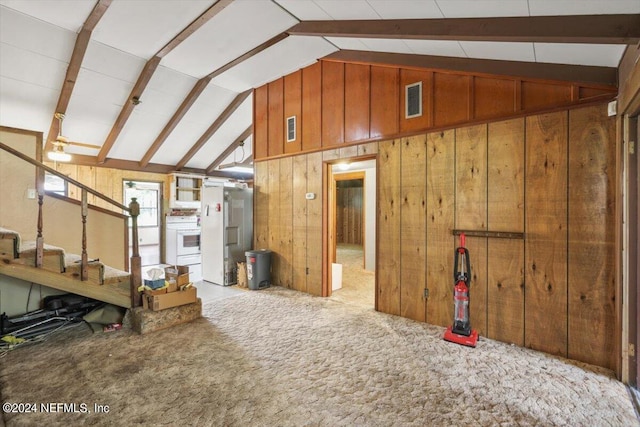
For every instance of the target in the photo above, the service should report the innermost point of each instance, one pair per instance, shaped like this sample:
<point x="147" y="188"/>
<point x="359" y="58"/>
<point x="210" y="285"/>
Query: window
<point x="55" y="184"/>
<point x="148" y="200"/>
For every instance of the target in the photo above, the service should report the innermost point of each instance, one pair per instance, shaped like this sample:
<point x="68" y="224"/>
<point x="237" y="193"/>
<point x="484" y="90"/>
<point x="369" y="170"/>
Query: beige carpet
<point x="358" y="285"/>
<point x="277" y="357"/>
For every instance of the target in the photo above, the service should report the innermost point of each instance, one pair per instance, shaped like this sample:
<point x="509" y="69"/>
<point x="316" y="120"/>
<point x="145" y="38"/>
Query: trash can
<point x="258" y="269"/>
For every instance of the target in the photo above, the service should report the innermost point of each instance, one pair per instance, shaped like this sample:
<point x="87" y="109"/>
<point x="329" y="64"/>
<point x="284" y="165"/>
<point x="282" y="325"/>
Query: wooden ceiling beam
<point x="228" y="112"/>
<point x="606" y="76"/>
<point x="79" y="49"/>
<point x="601" y="29"/>
<point x="198" y="88"/>
<point x="230" y="149"/>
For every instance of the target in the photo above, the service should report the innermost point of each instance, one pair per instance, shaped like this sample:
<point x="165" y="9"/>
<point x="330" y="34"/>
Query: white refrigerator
<point x="226" y="223"/>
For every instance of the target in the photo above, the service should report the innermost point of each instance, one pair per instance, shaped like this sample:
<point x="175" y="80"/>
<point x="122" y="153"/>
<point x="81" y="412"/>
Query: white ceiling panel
<point x="69" y="14"/>
<point x="235" y="156"/>
<point x="348" y="43"/>
<point x="436" y="47"/>
<point x="387" y="45"/>
<point x="26" y="106"/>
<point x="127" y="25"/>
<point x="406" y="9"/>
<point x="304" y="10"/>
<point x="239" y="28"/>
<point x="483" y="8"/>
<point x="580" y="54"/>
<point x="227" y="133"/>
<point x="112" y="62"/>
<point x="352" y="9"/>
<point x="287" y="56"/>
<point x="30" y="67"/>
<point x="501" y="51"/>
<point x="582" y="7"/>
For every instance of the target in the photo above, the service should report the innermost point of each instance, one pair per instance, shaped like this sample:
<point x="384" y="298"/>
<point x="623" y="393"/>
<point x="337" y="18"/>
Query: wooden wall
<point x="547" y="176"/>
<point x="349" y="226"/>
<point x="339" y="103"/>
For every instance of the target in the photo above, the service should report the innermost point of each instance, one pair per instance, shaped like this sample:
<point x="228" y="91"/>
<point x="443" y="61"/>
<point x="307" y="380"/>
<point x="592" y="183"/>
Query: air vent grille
<point x="291" y="129"/>
<point x="413" y="100"/>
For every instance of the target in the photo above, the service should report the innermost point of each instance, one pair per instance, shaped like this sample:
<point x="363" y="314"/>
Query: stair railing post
<point x="136" y="265"/>
<point x="39" y="238"/>
<point x="84" y="268"/>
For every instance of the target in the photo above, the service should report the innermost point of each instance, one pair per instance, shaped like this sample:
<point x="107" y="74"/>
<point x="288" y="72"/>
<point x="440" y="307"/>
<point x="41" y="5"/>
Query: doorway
<point x="351" y="229"/>
<point x="149" y="196"/>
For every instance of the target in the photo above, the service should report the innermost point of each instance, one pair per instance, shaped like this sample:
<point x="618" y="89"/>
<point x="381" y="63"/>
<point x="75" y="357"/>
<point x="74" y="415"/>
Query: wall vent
<point x="291" y="129"/>
<point x="413" y="100"/>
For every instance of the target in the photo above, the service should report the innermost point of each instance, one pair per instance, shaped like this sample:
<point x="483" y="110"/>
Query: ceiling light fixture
<point x="58" y="154"/>
<point x="244" y="166"/>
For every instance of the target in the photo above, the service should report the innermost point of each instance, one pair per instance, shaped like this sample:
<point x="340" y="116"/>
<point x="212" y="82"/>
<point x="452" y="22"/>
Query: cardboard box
<point x="154" y="284"/>
<point x="178" y="274"/>
<point x="172" y="299"/>
<point x="159" y="291"/>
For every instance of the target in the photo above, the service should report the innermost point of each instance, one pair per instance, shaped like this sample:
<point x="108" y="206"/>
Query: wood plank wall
<point x="339" y="103"/>
<point x="548" y="176"/>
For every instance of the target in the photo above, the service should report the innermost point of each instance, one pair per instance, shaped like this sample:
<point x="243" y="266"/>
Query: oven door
<point x="188" y="242"/>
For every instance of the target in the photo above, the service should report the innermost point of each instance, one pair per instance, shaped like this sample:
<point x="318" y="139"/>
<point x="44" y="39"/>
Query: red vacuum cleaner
<point x="460" y="332"/>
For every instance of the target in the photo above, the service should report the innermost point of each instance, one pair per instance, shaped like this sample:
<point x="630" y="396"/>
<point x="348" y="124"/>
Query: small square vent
<point x="291" y="129"/>
<point x="413" y="100"/>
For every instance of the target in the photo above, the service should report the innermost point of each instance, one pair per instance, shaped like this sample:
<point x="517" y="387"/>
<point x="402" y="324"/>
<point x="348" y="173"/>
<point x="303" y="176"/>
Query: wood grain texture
<point x="332" y="104"/>
<point x="299" y="235"/>
<point x="314" y="224"/>
<point x="274" y="219"/>
<point x="384" y="101"/>
<point x="367" y="149"/>
<point x="493" y="97"/>
<point x="357" y="107"/>
<point x="293" y="108"/>
<point x="425" y="121"/>
<point x="592" y="285"/>
<point x="312" y="106"/>
<point x="261" y="205"/>
<point x="440" y="223"/>
<point x="413" y="209"/>
<point x="536" y="95"/>
<point x="285" y="197"/>
<point x="388" y="235"/>
<point x="451" y="99"/>
<point x="276" y="117"/>
<point x="347" y="152"/>
<point x="546" y="230"/>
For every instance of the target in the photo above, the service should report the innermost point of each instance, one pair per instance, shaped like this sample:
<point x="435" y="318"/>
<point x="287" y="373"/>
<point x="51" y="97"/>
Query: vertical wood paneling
<point x="299" y="223"/>
<point x="261" y="205"/>
<point x="540" y="95"/>
<point x="286" y="222"/>
<point x="471" y="213"/>
<point x="451" y="99"/>
<point x="293" y="107"/>
<point x="440" y="217"/>
<point x="408" y="77"/>
<point x="312" y="106"/>
<point x="314" y="224"/>
<point x="505" y="303"/>
<point x="388" y="260"/>
<point x="546" y="231"/>
<point x="332" y="103"/>
<point x="276" y="117"/>
<point x="493" y="97"/>
<point x="87" y="176"/>
<point x="274" y="219"/>
<point x="260" y="122"/>
<point x="384" y="101"/>
<point x="357" y="103"/>
<point x="413" y="203"/>
<point x="592" y="283"/>
<point x="369" y="148"/>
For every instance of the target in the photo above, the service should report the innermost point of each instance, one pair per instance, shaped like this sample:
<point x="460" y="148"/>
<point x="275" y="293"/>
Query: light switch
<point x="31" y="193"/>
<point x="310" y="196"/>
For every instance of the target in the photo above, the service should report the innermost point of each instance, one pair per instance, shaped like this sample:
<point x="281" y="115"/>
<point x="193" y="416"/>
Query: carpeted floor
<point x="358" y="285"/>
<point x="277" y="357"/>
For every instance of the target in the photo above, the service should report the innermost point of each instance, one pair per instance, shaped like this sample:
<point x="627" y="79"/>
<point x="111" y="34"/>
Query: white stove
<point x="183" y="244"/>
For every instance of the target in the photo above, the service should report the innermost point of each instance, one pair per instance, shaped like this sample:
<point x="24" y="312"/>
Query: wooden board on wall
<point x="293" y="108"/>
<point x="314" y="224"/>
<point x="276" y="117"/>
<point x="413" y="210"/>
<point x="260" y="122"/>
<point x="332" y="103"/>
<point x="384" y="101"/>
<point x="493" y="97"/>
<point x="299" y="235"/>
<point x="592" y="284"/>
<point x="440" y="218"/>
<point x="273" y="195"/>
<point x="261" y="205"/>
<point x="537" y="95"/>
<point x="425" y="121"/>
<point x="546" y="228"/>
<point x="451" y="98"/>
<point x="356" y="102"/>
<point x="312" y="106"/>
<point x="286" y="222"/>
<point x="388" y="235"/>
<point x="471" y="212"/>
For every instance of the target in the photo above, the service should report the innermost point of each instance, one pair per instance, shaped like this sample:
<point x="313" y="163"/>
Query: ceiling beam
<point x="228" y="112"/>
<point x="230" y="149"/>
<point x="148" y="71"/>
<point x="79" y="49"/>
<point x="536" y="70"/>
<point x="602" y="29"/>
<point x="198" y="88"/>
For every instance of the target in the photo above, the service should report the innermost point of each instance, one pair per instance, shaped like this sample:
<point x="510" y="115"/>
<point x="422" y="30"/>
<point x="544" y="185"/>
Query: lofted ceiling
<point x="193" y="63"/>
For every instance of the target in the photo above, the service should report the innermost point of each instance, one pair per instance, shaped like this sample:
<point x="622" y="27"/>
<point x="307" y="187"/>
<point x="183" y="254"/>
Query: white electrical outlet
<point x="31" y="193"/>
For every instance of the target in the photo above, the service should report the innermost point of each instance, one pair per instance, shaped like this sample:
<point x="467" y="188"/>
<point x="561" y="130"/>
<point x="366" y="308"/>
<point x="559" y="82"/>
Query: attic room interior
<point x="271" y="212"/>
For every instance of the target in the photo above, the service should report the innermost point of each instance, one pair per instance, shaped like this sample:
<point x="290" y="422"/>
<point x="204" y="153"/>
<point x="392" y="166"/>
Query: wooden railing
<point x="133" y="210"/>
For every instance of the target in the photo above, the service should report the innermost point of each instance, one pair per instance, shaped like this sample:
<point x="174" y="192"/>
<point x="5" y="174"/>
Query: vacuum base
<point x="469" y="341"/>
